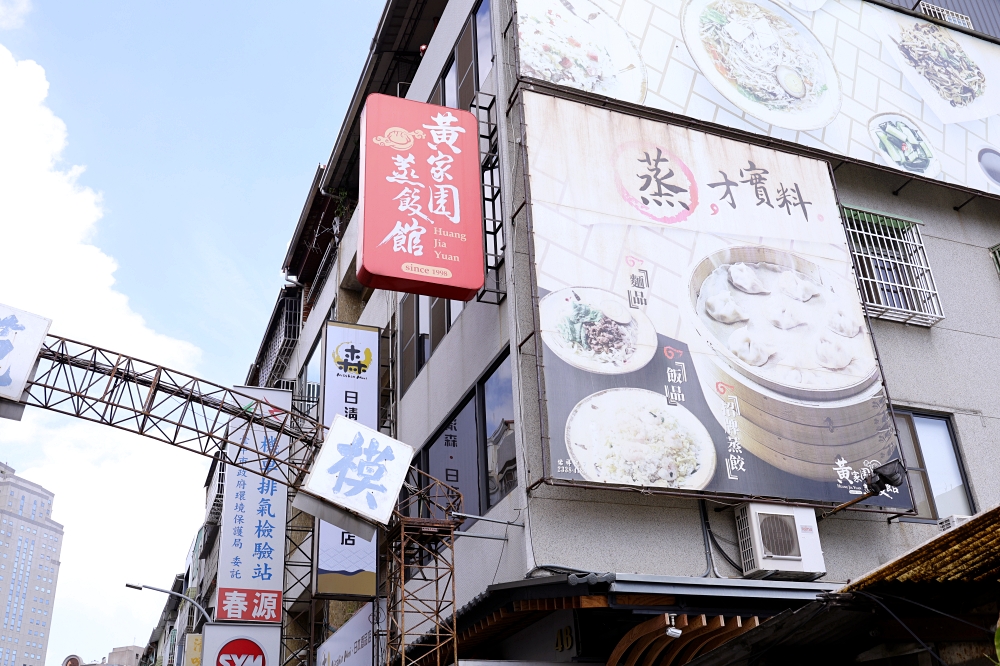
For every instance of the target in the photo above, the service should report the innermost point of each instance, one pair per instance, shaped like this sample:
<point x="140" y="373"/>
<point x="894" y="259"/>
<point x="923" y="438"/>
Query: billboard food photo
<point x="701" y="323"/>
<point x="843" y="76"/>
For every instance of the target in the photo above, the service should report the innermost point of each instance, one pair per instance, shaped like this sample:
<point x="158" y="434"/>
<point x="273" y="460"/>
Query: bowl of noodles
<point x="763" y="60"/>
<point x="596" y="330"/>
<point x="635" y="437"/>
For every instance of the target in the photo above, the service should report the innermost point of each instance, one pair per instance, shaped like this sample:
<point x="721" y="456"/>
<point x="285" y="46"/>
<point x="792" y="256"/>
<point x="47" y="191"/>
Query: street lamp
<point x="208" y="620"/>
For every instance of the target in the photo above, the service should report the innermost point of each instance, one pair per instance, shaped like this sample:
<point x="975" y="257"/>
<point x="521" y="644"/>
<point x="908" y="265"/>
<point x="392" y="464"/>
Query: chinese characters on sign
<point x="420" y="203"/>
<point x="732" y="260"/>
<point x="346" y="563"/>
<point x="252" y="536"/>
<point x="21" y="337"/>
<point x="359" y="469"/>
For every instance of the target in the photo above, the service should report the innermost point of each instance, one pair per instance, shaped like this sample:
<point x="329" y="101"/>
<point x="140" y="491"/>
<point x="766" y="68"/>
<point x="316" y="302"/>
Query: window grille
<point x="895" y="278"/>
<point x="942" y="14"/>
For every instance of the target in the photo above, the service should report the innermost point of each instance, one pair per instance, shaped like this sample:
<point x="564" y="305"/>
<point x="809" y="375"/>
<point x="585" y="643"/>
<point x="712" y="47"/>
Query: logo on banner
<point x="241" y="652"/>
<point x="351" y="360"/>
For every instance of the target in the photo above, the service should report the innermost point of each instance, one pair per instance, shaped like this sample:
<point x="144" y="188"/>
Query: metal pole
<point x="208" y="620"/>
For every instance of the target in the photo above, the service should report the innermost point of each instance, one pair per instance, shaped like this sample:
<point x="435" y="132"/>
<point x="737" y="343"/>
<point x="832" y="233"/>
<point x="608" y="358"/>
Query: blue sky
<point x="154" y="159"/>
<point x="201" y="123"/>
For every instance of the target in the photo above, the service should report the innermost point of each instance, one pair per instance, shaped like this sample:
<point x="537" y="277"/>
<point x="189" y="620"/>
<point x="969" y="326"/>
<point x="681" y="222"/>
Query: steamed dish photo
<point x="574" y="43"/>
<point x="762" y="55"/>
<point x="791" y="328"/>
<point x="635" y="437"/>
<point x="596" y="330"/>
<point x="942" y="61"/>
<point x="903" y="144"/>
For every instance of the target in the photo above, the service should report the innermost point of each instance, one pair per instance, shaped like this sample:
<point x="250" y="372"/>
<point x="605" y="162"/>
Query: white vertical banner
<point x="252" y="537"/>
<point x="351" y="382"/>
<point x="21" y="337"/>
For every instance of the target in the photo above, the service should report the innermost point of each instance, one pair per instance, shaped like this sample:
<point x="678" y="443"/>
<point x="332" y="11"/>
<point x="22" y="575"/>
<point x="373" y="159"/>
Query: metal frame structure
<point x="418" y="580"/>
<point x="495" y="287"/>
<point x="112" y="389"/>
<point x="143" y="398"/>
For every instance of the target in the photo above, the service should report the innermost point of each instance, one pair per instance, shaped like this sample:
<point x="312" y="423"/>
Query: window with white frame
<point x="893" y="272"/>
<point x="936" y="474"/>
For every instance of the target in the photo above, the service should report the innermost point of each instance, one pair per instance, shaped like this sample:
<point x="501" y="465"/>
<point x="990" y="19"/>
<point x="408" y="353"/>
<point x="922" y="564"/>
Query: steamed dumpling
<point x="792" y="285"/>
<point x="751" y="346"/>
<point x="745" y="279"/>
<point x="843" y="322"/>
<point x="831" y="354"/>
<point x="722" y="307"/>
<point x="783" y="313"/>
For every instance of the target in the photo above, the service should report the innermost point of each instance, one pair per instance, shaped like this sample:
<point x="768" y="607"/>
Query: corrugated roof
<point x="969" y="553"/>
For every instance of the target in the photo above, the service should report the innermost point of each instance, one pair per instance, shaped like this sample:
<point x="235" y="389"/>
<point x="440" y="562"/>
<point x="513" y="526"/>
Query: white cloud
<point x="130" y="505"/>
<point x="12" y="13"/>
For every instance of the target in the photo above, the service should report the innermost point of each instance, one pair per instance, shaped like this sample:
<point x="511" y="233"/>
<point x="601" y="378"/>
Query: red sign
<point x="248" y="605"/>
<point x="420" y="199"/>
<point x="241" y="652"/>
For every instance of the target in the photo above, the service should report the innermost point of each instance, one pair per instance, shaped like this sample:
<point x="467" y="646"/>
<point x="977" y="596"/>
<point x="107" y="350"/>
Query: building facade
<point x="573" y="557"/>
<point x="29" y="568"/>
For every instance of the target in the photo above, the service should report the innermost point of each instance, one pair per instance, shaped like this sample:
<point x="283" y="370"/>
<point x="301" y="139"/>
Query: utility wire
<point x="939" y="612"/>
<point x="908" y="630"/>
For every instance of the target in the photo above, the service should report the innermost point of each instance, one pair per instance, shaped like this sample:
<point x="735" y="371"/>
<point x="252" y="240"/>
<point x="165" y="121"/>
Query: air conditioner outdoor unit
<point x="952" y="521"/>
<point x="779" y="542"/>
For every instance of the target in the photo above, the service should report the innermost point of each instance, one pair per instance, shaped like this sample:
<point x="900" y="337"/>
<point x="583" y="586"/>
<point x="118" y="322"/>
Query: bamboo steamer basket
<point x="817" y="471"/>
<point x="804" y="428"/>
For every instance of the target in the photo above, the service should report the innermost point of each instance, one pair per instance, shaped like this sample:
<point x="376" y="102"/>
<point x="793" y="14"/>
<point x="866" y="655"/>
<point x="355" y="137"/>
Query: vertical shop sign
<point x="420" y="203"/>
<point x="345" y="563"/>
<point x="351" y="379"/>
<point x="252" y="540"/>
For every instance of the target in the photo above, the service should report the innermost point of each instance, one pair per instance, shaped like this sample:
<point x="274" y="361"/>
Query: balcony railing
<point x="943" y="14"/>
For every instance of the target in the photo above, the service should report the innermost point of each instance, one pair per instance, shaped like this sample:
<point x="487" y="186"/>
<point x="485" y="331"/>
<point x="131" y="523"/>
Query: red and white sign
<point x="241" y="652"/>
<point x="248" y="605"/>
<point x="420" y="201"/>
<point x="241" y="645"/>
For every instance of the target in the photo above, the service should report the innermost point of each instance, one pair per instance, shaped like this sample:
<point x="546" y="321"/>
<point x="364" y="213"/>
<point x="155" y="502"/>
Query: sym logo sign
<point x="241" y="652"/>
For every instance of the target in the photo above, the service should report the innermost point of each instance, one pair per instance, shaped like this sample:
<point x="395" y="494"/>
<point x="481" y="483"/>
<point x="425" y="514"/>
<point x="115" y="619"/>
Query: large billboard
<point x="420" y="206"/>
<point x="843" y="76"/>
<point x="700" y="320"/>
<point x="252" y="537"/>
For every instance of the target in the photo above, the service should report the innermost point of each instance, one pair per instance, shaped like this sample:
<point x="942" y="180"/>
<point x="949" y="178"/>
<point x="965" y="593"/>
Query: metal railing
<point x="893" y="273"/>
<point x="944" y="14"/>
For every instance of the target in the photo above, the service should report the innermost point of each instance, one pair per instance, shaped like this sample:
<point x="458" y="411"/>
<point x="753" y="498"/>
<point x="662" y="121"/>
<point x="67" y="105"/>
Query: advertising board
<point x="252" y="536"/>
<point x="843" y="76"/>
<point x="21" y="338"/>
<point x="345" y="562"/>
<point x="241" y="645"/>
<point x="420" y="202"/>
<point x="700" y="321"/>
<point x="359" y="469"/>
<point x="352" y="644"/>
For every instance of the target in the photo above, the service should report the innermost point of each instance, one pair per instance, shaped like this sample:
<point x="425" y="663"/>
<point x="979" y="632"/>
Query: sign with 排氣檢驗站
<point x="420" y="199"/>
<point x="252" y="527"/>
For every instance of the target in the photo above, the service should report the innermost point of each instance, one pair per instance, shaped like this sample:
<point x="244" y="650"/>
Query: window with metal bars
<point x="893" y="272"/>
<point x="995" y="253"/>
